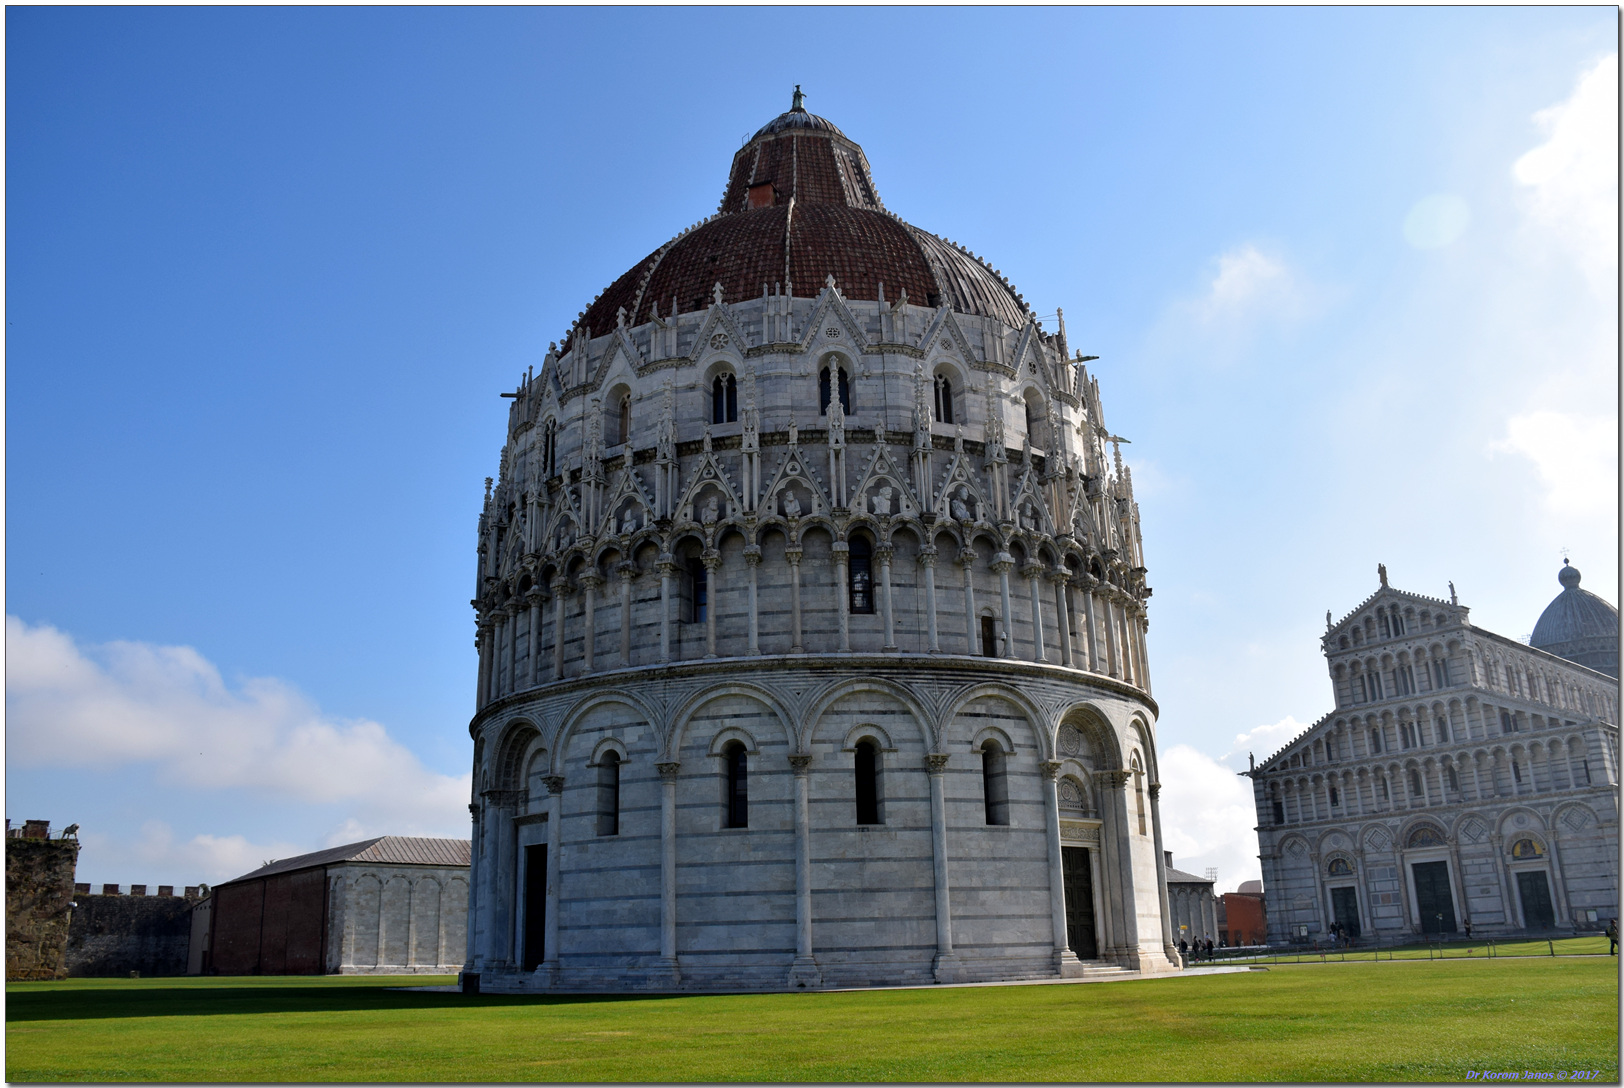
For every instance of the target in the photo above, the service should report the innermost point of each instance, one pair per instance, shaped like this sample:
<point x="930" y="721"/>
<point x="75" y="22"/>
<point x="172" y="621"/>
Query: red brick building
<point x="1241" y="915"/>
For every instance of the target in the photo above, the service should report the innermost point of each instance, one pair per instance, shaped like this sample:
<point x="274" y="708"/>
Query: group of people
<point x="1202" y="949"/>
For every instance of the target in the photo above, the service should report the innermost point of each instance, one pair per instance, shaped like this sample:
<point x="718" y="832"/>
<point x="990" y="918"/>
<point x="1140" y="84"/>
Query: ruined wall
<point x="112" y="935"/>
<point x="39" y="891"/>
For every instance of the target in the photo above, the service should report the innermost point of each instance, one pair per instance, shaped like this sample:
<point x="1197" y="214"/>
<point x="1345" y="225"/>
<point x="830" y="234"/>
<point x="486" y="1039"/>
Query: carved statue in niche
<point x="1029" y="518"/>
<point x="882" y="503"/>
<point x="959" y="505"/>
<point x="792" y="505"/>
<point x="712" y="511"/>
<point x="629" y="526"/>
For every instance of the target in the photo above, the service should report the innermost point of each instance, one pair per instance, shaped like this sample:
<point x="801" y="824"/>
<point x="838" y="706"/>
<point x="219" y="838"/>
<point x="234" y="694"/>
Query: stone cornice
<point x="832" y="664"/>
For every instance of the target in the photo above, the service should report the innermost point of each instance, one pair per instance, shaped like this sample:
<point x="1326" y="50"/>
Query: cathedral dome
<point x="800" y="206"/>
<point x="1579" y="626"/>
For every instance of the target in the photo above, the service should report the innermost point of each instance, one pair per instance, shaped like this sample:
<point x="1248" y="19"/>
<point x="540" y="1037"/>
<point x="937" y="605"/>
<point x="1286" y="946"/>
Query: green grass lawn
<point x="1402" y="1020"/>
<point x="1451" y="949"/>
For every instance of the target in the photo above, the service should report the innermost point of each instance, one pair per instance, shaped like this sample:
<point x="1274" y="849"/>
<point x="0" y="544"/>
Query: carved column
<point x="1111" y="658"/>
<point x="794" y="557"/>
<point x="1032" y="572"/>
<point x="560" y="585"/>
<point x="627" y="573"/>
<point x="471" y="922"/>
<point x="668" y="870"/>
<point x="1062" y="614"/>
<point x="884" y="556"/>
<point x="1002" y="563"/>
<point x="947" y="964"/>
<point x="555" y="850"/>
<point x="1063" y="955"/>
<point x="1119" y="860"/>
<point x="667" y="568"/>
<point x="841" y="551"/>
<point x="713" y="564"/>
<point x="1090" y="630"/>
<point x="967" y="559"/>
<point x="927" y="560"/>
<point x="752" y="560"/>
<point x="1169" y="945"/>
<point x="803" y="973"/>
<point x="512" y="611"/>
<point x="500" y="654"/>
<point x="590" y="583"/>
<point x="487" y="634"/>
<point x="535" y="597"/>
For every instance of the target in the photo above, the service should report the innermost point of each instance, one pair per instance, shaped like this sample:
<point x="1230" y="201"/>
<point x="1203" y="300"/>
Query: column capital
<point x="752" y="555"/>
<point x="627" y="572"/>
<point x="560" y="584"/>
<point x="1033" y="571"/>
<point x="1087" y="581"/>
<point x="801" y="765"/>
<point x="927" y="557"/>
<point x="936" y="763"/>
<point x="554" y="784"/>
<point x="1111" y="780"/>
<point x="884" y="553"/>
<point x="668" y="771"/>
<point x="711" y="559"/>
<point x="1059" y="576"/>
<point x="793" y="555"/>
<point x="1050" y="769"/>
<point x="536" y="597"/>
<point x="1003" y="563"/>
<point x="592" y="580"/>
<point x="966" y="557"/>
<point x="1155" y="790"/>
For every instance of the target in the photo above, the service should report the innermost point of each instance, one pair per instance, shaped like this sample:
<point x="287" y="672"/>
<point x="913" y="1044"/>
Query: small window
<point x="1440" y="673"/>
<point x="620" y="425"/>
<point x="989" y="637"/>
<point x="860" y="576"/>
<point x="725" y="399"/>
<point x="1440" y="727"/>
<point x="1454" y="782"/>
<point x="1279" y="813"/>
<point x="1385" y="795"/>
<point x="1375" y="740"/>
<point x="995" y="784"/>
<point x="868" y="782"/>
<point x="738" y="784"/>
<point x="825" y="390"/>
<point x="1516" y="771"/>
<point x="944" y="399"/>
<point x="698" y="591"/>
<point x="1415" y="783"/>
<point x="609" y="793"/>
<point x="1336" y="797"/>
<point x="1506" y="724"/>
<point x="1139" y="793"/>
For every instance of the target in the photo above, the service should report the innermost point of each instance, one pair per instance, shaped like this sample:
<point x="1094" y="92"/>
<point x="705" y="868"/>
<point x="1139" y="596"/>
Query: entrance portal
<point x="1535" y="892"/>
<point x="1345" y="910"/>
<point x="1432" y="897"/>
<point x="1078" y="882"/>
<point x="535" y="905"/>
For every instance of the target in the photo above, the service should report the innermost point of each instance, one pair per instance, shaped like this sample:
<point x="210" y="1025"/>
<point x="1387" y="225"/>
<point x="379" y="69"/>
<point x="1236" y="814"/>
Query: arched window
<point x="860" y="576"/>
<point x="944" y="399"/>
<point x="1415" y="782"/>
<point x="738" y="784"/>
<point x="1440" y="673"/>
<point x="995" y="784"/>
<point x="725" y="399"/>
<point x="1139" y="792"/>
<point x="698" y="590"/>
<point x="1336" y="796"/>
<point x="825" y="391"/>
<point x="1375" y="740"/>
<point x="609" y="793"/>
<point x="1454" y="781"/>
<point x="989" y="637"/>
<point x="549" y="448"/>
<point x="868" y="782"/>
<point x="1440" y="729"/>
<point x="1506" y="724"/>
<point x="620" y="424"/>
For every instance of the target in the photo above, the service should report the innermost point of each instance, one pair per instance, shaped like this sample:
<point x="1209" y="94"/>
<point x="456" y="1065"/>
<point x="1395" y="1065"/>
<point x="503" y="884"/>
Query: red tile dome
<point x="800" y="206"/>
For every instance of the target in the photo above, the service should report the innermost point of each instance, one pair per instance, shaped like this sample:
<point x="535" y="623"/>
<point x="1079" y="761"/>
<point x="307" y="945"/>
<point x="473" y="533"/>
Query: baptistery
<point x="811" y="622"/>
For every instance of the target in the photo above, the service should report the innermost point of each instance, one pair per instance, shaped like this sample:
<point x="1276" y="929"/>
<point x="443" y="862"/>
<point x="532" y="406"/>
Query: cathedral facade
<point x="811" y="623"/>
<point x="1465" y="782"/>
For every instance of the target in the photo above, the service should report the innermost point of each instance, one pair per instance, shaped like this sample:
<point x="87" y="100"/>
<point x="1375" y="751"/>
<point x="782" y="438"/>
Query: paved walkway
<point x="1124" y="976"/>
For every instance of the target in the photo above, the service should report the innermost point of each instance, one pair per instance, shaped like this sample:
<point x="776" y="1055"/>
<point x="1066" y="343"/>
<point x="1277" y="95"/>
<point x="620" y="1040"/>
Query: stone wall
<point x="113" y="935"/>
<point x="39" y="894"/>
<point x="396" y="919"/>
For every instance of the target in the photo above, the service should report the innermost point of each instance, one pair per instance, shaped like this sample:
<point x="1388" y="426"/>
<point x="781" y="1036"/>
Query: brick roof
<point x="383" y="850"/>
<point x="837" y="227"/>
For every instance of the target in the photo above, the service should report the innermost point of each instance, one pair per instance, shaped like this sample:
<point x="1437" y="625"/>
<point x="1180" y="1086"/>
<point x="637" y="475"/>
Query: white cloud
<point x="1571" y="179"/>
<point x="1436" y="220"/>
<point x="1265" y="740"/>
<point x="1577" y="459"/>
<point x="1208" y="817"/>
<point x="129" y="703"/>
<point x="209" y="858"/>
<point x="1247" y="280"/>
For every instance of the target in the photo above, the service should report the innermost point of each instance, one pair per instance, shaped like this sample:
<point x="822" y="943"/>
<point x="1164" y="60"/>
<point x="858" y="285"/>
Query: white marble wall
<point x="396" y="919"/>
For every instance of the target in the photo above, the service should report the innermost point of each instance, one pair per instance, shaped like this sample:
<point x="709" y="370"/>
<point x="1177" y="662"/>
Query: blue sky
<point x="1352" y="275"/>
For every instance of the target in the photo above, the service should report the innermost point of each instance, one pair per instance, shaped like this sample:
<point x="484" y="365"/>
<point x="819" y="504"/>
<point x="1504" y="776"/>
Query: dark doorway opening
<point x="535" y="906"/>
<point x="1345" y="910"/>
<point x="1535" y="891"/>
<point x="1077" y="878"/>
<point x="989" y="637"/>
<point x="1433" y="898"/>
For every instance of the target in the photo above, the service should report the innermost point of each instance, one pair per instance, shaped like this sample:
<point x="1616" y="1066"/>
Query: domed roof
<point x="800" y="206"/>
<point x="1579" y="626"/>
